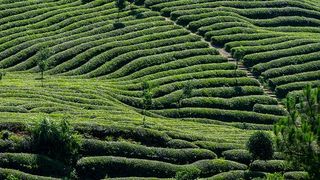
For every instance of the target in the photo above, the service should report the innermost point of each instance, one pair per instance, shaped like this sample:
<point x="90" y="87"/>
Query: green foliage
<point x="237" y="174"/>
<point x="146" y="99"/>
<point x="271" y="166"/>
<point x="56" y="140"/>
<point x="177" y="156"/>
<point x="121" y="4"/>
<point x="145" y="136"/>
<point x="298" y="135"/>
<point x="7" y="174"/>
<point x="5" y="135"/>
<point x="296" y="175"/>
<point x="189" y="174"/>
<point x="42" y="62"/>
<point x="260" y="145"/>
<point x="118" y="25"/>
<point x="218" y="148"/>
<point x="86" y="1"/>
<point x="100" y="166"/>
<point x="275" y="176"/>
<point x="33" y="164"/>
<point x="12" y="177"/>
<point x="211" y="167"/>
<point x="238" y="155"/>
<point x="2" y="74"/>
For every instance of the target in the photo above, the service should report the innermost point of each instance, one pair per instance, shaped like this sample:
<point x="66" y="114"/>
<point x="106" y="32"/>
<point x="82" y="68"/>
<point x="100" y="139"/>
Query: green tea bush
<point x="33" y="164"/>
<point x="211" y="167"/>
<point x="283" y="90"/>
<point x="7" y="173"/>
<point x="229" y="31"/>
<point x="285" y="61"/>
<point x="100" y="166"/>
<point x="262" y="42"/>
<point x="305" y="76"/>
<point x="175" y="156"/>
<point x="237" y="174"/>
<point x="271" y="166"/>
<point x="192" y="173"/>
<point x="223" y="39"/>
<point x="218" y="148"/>
<point x="238" y="103"/>
<point x="219" y="114"/>
<point x="229" y="22"/>
<point x="143" y="135"/>
<point x="292" y="69"/>
<point x="180" y="144"/>
<point x="269" y="47"/>
<point x="238" y="155"/>
<point x="252" y="59"/>
<point x="296" y="175"/>
<point x="269" y="109"/>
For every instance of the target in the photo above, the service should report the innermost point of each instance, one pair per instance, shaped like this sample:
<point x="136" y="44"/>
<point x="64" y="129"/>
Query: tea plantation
<point x="214" y="72"/>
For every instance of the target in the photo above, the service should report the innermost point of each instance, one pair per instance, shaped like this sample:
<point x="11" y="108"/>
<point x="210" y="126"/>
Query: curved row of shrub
<point x="102" y="166"/>
<point x="92" y="147"/>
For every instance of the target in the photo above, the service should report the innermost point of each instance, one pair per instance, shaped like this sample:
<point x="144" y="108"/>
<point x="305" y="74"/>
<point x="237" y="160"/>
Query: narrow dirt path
<point x="240" y="65"/>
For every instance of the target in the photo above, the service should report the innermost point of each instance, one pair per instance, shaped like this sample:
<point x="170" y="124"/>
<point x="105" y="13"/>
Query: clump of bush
<point x="11" y="174"/>
<point x="92" y="147"/>
<point x="32" y="163"/>
<point x="238" y="174"/>
<point x="145" y="136"/>
<point x="270" y="166"/>
<point x="238" y="155"/>
<point x="179" y="144"/>
<point x="298" y="175"/>
<point x="260" y="145"/>
<point x="56" y="140"/>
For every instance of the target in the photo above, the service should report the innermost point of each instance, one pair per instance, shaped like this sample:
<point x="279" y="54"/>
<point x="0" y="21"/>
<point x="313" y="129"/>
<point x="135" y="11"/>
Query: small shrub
<point x="260" y="145"/>
<point x="56" y="140"/>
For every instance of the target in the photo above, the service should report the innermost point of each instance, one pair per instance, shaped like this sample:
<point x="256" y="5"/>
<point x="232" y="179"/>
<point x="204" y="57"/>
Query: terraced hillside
<point x="96" y="72"/>
<point x="277" y="40"/>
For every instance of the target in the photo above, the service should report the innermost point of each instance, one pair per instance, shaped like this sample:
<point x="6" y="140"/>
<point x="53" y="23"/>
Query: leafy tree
<point x="298" y="134"/>
<point x="42" y="63"/>
<point x="260" y="145"/>
<point x="147" y="99"/>
<point x="56" y="140"/>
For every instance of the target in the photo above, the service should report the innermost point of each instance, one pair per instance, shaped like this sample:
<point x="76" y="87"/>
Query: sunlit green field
<point x="240" y="58"/>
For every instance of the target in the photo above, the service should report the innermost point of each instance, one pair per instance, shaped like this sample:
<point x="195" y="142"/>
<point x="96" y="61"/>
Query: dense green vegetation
<point x="145" y="97"/>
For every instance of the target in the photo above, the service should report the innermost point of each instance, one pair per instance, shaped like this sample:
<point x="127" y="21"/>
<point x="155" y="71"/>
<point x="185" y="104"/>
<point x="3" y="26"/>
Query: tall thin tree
<point x="147" y="100"/>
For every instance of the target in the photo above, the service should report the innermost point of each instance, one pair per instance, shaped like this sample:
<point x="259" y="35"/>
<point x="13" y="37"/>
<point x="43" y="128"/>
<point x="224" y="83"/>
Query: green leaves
<point x="298" y="134"/>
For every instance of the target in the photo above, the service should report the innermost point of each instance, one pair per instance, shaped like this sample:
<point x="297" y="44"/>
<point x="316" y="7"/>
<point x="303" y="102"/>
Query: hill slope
<point x="96" y="72"/>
